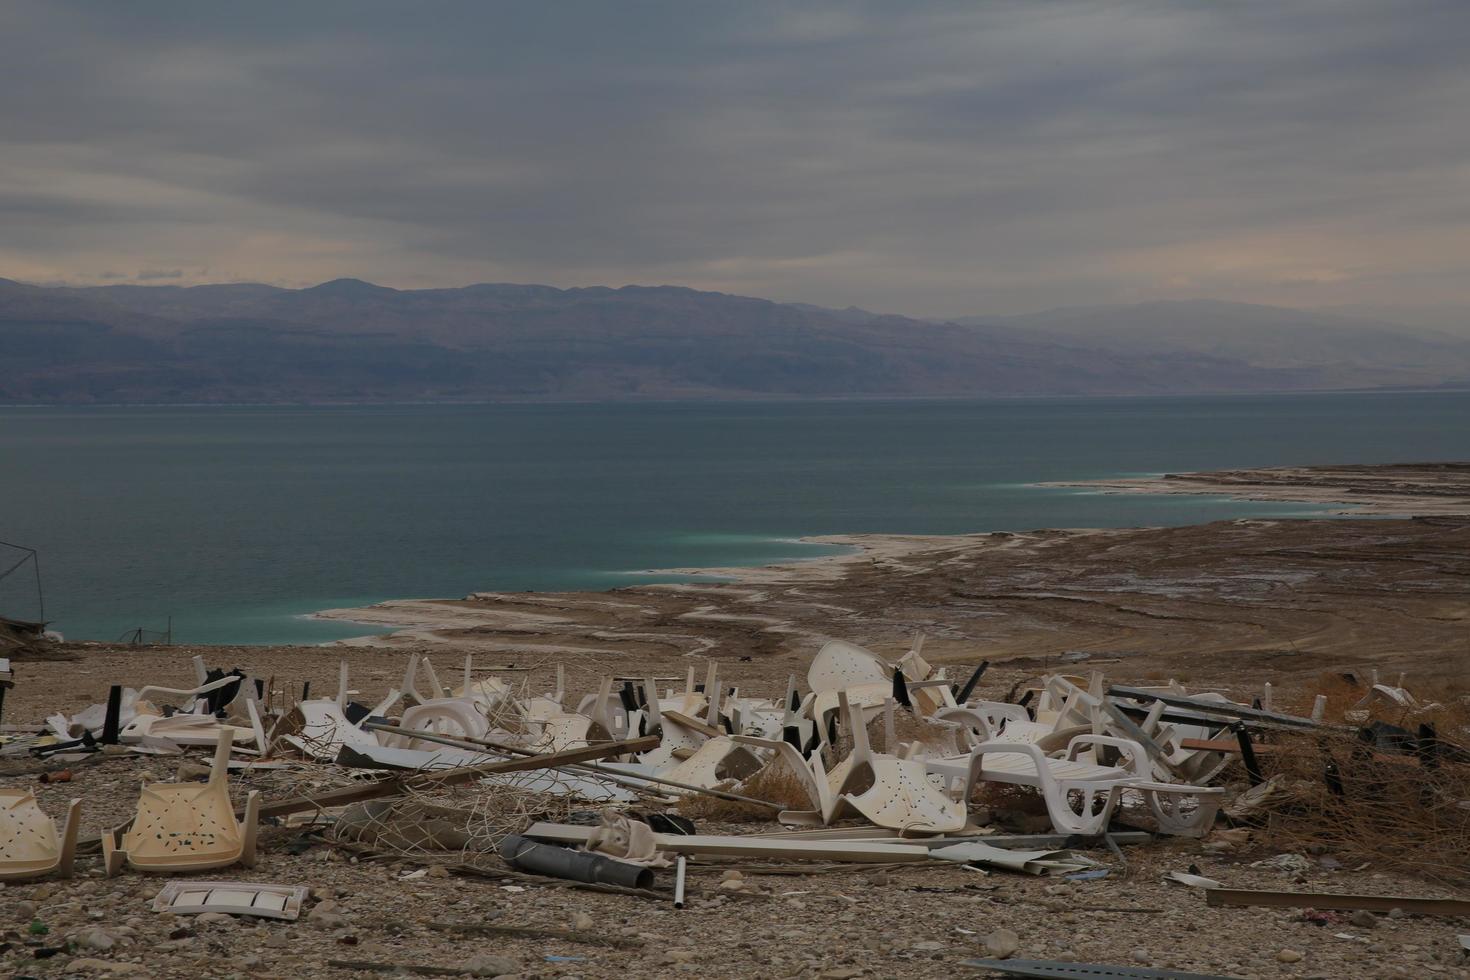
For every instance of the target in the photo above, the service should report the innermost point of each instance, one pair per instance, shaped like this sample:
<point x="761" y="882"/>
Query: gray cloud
<point x="932" y="158"/>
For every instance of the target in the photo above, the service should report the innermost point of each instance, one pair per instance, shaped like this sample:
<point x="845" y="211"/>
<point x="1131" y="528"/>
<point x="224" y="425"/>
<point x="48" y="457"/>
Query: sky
<point x="933" y="159"/>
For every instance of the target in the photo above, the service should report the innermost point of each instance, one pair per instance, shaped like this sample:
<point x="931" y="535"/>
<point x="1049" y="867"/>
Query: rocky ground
<point x="1226" y="605"/>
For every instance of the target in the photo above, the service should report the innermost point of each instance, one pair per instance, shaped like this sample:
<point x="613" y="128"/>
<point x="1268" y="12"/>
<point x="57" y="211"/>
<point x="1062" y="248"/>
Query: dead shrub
<point x="774" y="784"/>
<point x="1398" y="812"/>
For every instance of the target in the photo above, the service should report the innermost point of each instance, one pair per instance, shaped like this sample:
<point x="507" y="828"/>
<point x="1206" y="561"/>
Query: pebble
<point x="25" y="912"/>
<point x="214" y="919"/>
<point x="1397" y="913"/>
<point x="680" y="956"/>
<point x="1288" y="956"/>
<point x="1001" y="943"/>
<point x="96" y="940"/>
<point x="732" y="875"/>
<point x="1364" y="919"/>
<point x="582" y="921"/>
<point x="1142" y="956"/>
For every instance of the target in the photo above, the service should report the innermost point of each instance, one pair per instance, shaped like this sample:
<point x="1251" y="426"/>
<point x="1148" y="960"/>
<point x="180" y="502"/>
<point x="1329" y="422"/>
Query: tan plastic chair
<point x="184" y="827"/>
<point x="29" y="844"/>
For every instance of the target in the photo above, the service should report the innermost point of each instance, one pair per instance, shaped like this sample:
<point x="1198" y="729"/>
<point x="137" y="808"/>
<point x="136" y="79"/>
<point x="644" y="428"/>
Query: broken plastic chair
<point x="893" y="791"/>
<point x="29" y="844"/>
<point x="840" y="665"/>
<point x="454" y="717"/>
<point x="718" y="760"/>
<point x="182" y="827"/>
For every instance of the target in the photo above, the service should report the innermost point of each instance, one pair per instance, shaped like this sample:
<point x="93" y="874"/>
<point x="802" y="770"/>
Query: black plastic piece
<point x="963" y="694"/>
<point x="113" y="722"/>
<point x="560" y="862"/>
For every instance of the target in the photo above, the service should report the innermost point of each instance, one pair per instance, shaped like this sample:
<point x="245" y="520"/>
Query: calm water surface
<point x="237" y="521"/>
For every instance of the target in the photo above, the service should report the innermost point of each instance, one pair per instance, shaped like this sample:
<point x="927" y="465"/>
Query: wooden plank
<point x="1014" y="841"/>
<point x="450" y="777"/>
<point x="635" y="781"/>
<point x="756" y="847"/>
<point x="1320" y="900"/>
<point x="693" y="724"/>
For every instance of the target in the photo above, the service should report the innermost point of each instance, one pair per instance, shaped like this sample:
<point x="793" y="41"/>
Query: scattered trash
<point x="1026" y="862"/>
<point x="1192" y="880"/>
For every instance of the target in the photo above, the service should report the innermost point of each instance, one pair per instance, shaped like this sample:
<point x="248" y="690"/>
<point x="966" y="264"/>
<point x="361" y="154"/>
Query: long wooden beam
<point x="629" y="780"/>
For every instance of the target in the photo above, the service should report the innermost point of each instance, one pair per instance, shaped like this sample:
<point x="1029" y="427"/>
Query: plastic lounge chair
<point x="1095" y="788"/>
<point x="29" y="844"/>
<point x="454" y="717"/>
<point x="183" y="827"/>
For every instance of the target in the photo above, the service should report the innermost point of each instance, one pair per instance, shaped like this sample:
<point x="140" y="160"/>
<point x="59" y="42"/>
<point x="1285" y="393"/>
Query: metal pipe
<point x="562" y="862"/>
<point x="679" y="869"/>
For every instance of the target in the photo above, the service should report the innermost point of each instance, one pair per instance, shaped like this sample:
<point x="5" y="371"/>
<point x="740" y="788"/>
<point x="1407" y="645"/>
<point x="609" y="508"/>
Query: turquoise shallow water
<point x="238" y="521"/>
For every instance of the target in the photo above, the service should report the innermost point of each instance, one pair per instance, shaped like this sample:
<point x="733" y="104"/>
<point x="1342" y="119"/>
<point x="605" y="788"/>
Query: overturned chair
<point x="29" y="844"/>
<point x="185" y="827"/>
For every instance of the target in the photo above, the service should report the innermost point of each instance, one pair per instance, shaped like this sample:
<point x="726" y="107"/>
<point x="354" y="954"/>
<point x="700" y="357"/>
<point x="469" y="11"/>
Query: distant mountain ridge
<point x="354" y="341"/>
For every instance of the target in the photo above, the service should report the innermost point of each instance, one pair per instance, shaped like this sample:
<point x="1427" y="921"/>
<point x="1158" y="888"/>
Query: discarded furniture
<point x="1080" y="796"/>
<point x="29" y="844"/>
<point x="186" y="826"/>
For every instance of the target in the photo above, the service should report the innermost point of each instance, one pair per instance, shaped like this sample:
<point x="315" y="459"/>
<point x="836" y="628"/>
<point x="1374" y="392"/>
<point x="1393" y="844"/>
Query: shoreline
<point x="1397" y="490"/>
<point x="1400" y="491"/>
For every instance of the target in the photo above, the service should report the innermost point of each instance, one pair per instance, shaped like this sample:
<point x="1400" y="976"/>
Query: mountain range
<point x="353" y="341"/>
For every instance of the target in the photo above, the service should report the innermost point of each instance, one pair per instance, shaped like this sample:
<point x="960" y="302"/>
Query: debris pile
<point x="870" y="762"/>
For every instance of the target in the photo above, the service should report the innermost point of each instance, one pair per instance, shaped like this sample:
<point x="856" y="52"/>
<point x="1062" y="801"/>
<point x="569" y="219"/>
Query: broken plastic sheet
<point x="1025" y="862"/>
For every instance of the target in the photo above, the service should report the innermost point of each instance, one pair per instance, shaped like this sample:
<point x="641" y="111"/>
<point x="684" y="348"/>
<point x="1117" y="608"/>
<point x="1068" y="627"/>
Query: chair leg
<point x="1165" y="808"/>
<point x="1069" y="821"/>
<point x="112" y="855"/>
<point x="248" y="827"/>
<point x="69" y="839"/>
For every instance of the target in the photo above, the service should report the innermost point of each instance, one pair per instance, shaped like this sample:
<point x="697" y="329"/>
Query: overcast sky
<point x="926" y="158"/>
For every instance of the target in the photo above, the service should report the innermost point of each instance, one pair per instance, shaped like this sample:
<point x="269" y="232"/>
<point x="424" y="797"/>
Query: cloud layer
<point x="930" y="158"/>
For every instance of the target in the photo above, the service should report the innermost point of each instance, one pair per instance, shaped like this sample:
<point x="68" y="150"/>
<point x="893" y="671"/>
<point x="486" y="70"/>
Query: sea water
<point x="238" y="522"/>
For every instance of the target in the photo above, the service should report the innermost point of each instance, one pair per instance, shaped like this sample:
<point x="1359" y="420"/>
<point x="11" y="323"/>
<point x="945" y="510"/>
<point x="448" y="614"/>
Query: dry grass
<point x="774" y="784"/>
<point x="1397" y="812"/>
